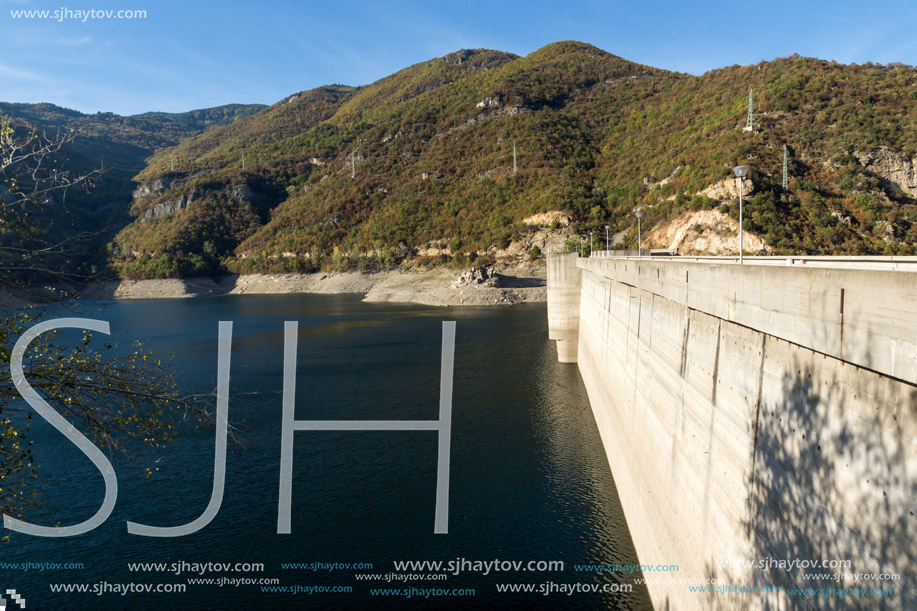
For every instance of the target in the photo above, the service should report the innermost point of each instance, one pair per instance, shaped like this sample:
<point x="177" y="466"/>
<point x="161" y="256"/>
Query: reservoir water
<point x="529" y="477"/>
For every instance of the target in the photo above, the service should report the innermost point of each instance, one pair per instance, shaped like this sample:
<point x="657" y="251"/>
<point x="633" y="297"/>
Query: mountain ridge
<point x="111" y="149"/>
<point x="347" y="176"/>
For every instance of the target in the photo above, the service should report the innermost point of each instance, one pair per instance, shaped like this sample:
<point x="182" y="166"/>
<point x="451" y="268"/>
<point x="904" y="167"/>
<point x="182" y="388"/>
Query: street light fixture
<point x="740" y="171"/>
<point x="639" y="214"/>
<point x="606" y="237"/>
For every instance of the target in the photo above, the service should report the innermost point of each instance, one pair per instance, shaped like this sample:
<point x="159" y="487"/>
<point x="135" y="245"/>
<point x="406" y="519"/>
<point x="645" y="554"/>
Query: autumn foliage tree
<point x="117" y="398"/>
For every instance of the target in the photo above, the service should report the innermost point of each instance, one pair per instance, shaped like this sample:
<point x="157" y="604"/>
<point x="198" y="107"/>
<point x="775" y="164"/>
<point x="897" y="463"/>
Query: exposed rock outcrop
<point x="891" y="166"/>
<point x="153" y="188"/>
<point x="545" y="239"/>
<point x="703" y="232"/>
<point x="544" y="219"/>
<point x="241" y="193"/>
<point x="238" y="193"/>
<point x="165" y="183"/>
<point x="171" y="206"/>
<point x="489" y="102"/>
<point x="728" y="189"/>
<point x="478" y="276"/>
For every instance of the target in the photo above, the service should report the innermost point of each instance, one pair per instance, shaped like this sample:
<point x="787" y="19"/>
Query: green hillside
<point x="119" y="145"/>
<point x="114" y="149"/>
<point x="426" y="154"/>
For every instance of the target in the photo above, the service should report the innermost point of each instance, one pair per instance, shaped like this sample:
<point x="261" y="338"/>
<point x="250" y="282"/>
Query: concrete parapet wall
<point x="857" y="312"/>
<point x="745" y="417"/>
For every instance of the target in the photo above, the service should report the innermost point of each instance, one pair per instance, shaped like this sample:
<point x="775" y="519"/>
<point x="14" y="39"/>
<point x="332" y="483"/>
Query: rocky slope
<point x="704" y="232"/>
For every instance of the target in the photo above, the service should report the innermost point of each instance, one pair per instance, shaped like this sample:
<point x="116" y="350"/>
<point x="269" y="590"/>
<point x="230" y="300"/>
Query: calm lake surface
<point x="529" y="478"/>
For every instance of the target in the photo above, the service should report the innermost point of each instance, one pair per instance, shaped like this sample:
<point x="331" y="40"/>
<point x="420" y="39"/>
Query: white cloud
<point x="71" y="42"/>
<point x="7" y="72"/>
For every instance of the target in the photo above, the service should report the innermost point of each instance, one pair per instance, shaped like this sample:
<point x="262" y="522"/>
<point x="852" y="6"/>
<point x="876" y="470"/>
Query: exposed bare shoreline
<point x="431" y="287"/>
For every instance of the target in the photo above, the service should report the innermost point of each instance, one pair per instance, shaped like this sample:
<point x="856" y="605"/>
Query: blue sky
<point x="187" y="55"/>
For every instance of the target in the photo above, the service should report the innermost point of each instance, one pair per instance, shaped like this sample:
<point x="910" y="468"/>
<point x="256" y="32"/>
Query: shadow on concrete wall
<point x="830" y="482"/>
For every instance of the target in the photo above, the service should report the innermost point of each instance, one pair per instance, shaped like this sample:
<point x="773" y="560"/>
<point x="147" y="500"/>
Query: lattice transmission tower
<point x="786" y="166"/>
<point x="750" y="122"/>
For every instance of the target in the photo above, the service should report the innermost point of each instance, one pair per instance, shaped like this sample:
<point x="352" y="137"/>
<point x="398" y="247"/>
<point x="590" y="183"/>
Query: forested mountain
<point x="117" y="144"/>
<point x="113" y="149"/>
<point x="426" y="155"/>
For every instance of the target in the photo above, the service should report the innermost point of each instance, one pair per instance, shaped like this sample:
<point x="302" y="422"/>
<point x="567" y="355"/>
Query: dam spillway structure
<point x="760" y="421"/>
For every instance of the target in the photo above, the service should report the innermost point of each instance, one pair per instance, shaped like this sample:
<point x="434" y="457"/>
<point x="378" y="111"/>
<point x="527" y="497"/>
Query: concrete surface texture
<point x="563" y="304"/>
<point x="756" y="413"/>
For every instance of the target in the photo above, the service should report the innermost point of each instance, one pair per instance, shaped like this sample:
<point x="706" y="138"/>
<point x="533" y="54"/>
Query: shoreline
<point x="429" y="287"/>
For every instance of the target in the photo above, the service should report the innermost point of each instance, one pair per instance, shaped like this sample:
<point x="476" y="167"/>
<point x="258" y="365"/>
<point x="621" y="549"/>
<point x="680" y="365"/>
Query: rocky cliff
<point x="891" y="166"/>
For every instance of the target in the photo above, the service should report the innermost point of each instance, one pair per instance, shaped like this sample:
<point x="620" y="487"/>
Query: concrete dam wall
<point x="754" y="414"/>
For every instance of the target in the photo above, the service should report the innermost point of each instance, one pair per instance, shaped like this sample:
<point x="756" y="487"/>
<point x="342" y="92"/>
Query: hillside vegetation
<point x="110" y="148"/>
<point x="341" y="176"/>
<point x="118" y="145"/>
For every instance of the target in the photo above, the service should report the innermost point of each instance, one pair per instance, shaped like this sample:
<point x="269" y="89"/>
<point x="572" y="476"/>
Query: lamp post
<point x="639" y="214"/>
<point x="591" y="243"/>
<point x="740" y="171"/>
<point x="606" y="237"/>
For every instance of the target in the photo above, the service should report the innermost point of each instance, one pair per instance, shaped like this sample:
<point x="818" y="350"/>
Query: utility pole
<point x="514" y="156"/>
<point x="639" y="215"/>
<point x="353" y="165"/>
<point x="786" y="174"/>
<point x="243" y="161"/>
<point x="173" y="162"/>
<point x="741" y="171"/>
<point x="750" y="122"/>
